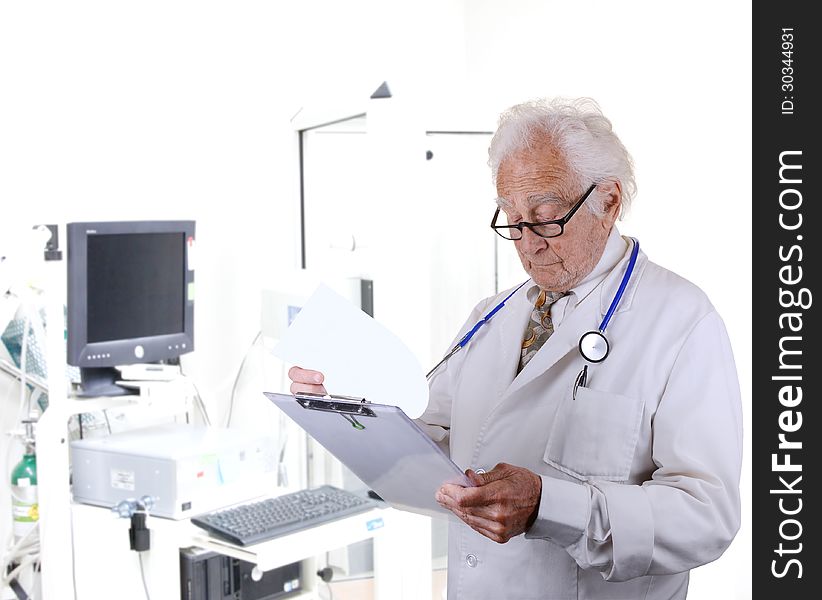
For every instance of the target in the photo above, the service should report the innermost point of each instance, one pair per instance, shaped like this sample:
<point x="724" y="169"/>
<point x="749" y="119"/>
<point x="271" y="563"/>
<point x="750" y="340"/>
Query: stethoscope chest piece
<point x="594" y="346"/>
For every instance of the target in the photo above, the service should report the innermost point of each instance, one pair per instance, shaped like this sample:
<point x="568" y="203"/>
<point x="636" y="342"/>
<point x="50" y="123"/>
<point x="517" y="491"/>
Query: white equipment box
<point x="185" y="469"/>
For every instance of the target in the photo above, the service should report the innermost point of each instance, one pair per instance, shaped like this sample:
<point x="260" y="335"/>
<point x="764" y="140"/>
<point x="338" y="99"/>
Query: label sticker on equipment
<point x="122" y="480"/>
<point x="375" y="524"/>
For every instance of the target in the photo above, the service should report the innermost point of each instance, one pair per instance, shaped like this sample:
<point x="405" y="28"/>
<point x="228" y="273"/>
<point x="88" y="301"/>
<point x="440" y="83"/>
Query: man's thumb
<point x="476" y="478"/>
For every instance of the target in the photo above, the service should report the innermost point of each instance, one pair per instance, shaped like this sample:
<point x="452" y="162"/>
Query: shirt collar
<point x="615" y="248"/>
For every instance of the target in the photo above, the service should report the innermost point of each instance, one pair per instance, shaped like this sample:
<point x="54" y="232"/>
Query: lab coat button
<point x="471" y="560"/>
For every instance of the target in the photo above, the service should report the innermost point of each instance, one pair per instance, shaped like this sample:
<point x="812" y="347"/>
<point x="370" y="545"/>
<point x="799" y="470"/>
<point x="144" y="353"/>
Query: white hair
<point x="582" y="135"/>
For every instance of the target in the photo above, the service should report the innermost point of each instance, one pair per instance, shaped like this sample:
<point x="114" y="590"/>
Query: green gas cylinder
<point x="24" y="490"/>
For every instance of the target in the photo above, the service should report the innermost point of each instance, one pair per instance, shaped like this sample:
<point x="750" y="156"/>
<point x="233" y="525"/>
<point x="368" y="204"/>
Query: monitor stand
<point x="99" y="381"/>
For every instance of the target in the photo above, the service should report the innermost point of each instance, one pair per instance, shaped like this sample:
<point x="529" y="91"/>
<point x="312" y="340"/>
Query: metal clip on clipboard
<point x="348" y="407"/>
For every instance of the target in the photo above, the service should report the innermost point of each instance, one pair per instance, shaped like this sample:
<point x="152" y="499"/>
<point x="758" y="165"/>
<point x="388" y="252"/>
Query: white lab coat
<point x="640" y="474"/>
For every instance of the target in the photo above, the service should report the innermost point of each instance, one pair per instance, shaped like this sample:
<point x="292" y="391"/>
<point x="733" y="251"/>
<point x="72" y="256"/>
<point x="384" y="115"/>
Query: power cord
<point x="73" y="561"/>
<point x="326" y="574"/>
<point x="198" y="399"/>
<point x="24" y="553"/>
<point x="18" y="590"/>
<point x="143" y="575"/>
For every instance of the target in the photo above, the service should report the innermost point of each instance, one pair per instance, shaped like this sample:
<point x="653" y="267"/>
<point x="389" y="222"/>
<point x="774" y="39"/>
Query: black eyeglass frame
<point x="561" y="222"/>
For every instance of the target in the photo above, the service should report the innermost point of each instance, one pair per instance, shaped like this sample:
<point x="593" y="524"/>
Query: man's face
<point x="539" y="187"/>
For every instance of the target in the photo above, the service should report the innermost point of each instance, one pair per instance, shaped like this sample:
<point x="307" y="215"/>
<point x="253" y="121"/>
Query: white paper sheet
<point x="358" y="356"/>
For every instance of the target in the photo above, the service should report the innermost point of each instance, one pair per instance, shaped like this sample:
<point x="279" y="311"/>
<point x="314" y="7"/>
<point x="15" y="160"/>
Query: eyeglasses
<point x="545" y="229"/>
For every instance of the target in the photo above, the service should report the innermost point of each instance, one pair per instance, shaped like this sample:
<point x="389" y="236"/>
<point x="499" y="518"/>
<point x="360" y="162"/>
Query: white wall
<point x="181" y="110"/>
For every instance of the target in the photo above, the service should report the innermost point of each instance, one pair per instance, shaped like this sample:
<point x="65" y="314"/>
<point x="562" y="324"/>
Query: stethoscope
<point x="467" y="337"/>
<point x="593" y="345"/>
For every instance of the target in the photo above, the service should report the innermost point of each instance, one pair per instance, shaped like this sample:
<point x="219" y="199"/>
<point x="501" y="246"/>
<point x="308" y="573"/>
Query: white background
<point x="114" y="110"/>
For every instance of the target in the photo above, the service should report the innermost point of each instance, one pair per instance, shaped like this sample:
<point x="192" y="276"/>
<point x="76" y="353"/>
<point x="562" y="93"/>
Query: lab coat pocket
<point x="594" y="436"/>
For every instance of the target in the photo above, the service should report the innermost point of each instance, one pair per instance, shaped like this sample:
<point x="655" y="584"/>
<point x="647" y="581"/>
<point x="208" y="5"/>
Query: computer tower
<point x="275" y="584"/>
<point x="207" y="575"/>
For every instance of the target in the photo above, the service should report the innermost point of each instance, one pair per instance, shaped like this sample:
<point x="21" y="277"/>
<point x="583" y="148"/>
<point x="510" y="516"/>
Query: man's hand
<point x="503" y="504"/>
<point x="306" y="380"/>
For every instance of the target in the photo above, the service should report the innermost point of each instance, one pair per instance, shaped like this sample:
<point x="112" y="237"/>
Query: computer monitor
<point x="130" y="297"/>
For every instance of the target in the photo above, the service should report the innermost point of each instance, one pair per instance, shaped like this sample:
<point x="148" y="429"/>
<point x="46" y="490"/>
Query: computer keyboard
<point x="257" y="522"/>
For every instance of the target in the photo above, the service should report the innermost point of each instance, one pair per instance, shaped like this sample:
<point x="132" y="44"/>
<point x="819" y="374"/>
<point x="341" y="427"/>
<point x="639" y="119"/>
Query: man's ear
<point x="612" y="203"/>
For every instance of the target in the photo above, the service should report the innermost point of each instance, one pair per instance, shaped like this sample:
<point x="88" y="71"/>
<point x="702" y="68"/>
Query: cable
<point x="37" y="588"/>
<point x="26" y="561"/>
<point x="23" y="553"/>
<point x="198" y="399"/>
<point x="143" y="575"/>
<point x="21" y="548"/>
<point x="18" y="590"/>
<point x="73" y="562"/>
<point x="237" y="378"/>
<point x="326" y="574"/>
<point x="33" y="380"/>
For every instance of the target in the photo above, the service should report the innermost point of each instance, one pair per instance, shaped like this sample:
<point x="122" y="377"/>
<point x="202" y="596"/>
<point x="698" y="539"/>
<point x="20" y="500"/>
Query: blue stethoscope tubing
<point x="593" y="345"/>
<point x="467" y="337"/>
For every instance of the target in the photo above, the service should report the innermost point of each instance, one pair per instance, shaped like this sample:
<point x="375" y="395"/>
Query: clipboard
<point x="380" y="444"/>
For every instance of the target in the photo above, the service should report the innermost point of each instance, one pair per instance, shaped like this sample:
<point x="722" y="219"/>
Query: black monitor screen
<point x="136" y="285"/>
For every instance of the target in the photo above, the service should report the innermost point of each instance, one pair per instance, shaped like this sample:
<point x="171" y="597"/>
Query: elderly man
<point x="602" y="469"/>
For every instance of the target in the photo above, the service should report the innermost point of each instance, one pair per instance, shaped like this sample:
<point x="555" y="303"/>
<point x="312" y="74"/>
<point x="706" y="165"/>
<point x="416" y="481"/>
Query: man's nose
<point x="530" y="241"/>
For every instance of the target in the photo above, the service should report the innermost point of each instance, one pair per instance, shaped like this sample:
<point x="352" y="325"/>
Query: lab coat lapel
<point x="563" y="340"/>
<point x="511" y="330"/>
<point x="585" y="317"/>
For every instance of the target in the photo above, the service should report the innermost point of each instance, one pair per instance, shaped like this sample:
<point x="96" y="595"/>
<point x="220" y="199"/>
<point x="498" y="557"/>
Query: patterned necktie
<point x="539" y="327"/>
